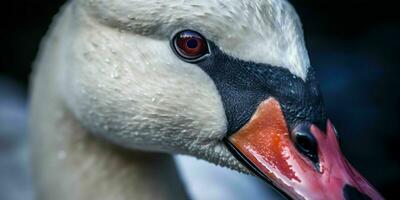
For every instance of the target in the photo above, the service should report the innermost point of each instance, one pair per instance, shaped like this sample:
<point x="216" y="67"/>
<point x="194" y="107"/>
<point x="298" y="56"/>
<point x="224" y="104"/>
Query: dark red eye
<point x="190" y="45"/>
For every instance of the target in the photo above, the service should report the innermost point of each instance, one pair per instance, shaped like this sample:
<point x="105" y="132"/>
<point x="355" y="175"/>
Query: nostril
<point x="305" y="142"/>
<point x="351" y="193"/>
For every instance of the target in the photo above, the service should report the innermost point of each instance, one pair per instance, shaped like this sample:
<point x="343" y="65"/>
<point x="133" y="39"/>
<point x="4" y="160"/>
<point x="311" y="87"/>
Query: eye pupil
<point x="192" y="43"/>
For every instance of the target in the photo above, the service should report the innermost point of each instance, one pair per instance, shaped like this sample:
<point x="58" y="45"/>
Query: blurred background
<point x="353" y="44"/>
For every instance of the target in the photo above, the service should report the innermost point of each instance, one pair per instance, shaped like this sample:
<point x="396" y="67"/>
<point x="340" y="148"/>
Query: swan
<point x="120" y="85"/>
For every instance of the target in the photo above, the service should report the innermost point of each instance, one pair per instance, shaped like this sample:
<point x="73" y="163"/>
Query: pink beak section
<point x="265" y="144"/>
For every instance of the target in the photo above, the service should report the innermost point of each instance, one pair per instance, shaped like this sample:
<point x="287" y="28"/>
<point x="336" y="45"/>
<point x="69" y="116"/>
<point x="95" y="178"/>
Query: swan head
<point x="226" y="81"/>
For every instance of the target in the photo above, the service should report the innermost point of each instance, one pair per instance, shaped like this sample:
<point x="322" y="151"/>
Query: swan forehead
<point x="262" y="31"/>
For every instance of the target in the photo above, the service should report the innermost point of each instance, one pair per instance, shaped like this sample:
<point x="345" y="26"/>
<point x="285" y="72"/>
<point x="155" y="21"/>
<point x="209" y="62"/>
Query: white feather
<point x="263" y="31"/>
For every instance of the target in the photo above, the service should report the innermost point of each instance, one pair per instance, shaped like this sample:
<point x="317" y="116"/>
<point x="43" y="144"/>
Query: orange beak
<point x="266" y="147"/>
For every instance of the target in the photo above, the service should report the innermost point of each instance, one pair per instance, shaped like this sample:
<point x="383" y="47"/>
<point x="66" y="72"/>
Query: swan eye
<point x="190" y="45"/>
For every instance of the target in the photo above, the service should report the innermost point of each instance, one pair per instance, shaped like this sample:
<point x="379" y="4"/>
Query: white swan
<point x="183" y="77"/>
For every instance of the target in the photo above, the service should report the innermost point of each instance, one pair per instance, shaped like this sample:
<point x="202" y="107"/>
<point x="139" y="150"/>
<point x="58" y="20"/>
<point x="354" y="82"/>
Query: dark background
<point x="353" y="44"/>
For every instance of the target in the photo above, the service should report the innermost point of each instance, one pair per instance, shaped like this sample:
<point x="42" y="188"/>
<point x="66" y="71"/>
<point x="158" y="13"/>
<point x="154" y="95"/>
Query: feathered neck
<point x="69" y="163"/>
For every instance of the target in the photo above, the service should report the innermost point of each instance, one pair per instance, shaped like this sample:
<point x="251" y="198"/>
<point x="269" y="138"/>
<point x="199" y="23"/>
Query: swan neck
<point x="69" y="162"/>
